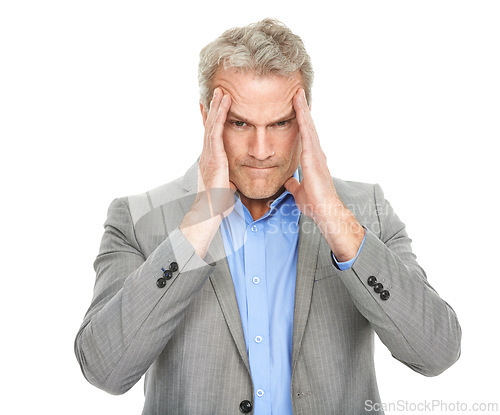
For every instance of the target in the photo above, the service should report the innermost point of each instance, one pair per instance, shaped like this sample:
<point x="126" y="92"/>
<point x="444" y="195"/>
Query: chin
<point x="257" y="195"/>
<point x="259" y="192"/>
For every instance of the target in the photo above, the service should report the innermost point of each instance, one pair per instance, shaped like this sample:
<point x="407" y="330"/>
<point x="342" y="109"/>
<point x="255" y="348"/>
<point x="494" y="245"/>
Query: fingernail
<point x="215" y="92"/>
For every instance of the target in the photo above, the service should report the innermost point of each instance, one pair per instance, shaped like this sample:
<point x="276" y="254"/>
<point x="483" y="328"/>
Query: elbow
<point x="441" y="358"/>
<point x="445" y="352"/>
<point x="113" y="389"/>
<point x="92" y="371"/>
<point x="447" y="360"/>
<point x="448" y="355"/>
<point x="434" y="368"/>
<point x="437" y="368"/>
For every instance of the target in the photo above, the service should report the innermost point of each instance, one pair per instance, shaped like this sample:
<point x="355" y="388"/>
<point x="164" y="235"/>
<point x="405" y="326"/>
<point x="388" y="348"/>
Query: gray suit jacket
<point x="187" y="336"/>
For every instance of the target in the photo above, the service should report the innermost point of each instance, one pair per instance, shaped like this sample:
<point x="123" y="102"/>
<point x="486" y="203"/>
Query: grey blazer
<point x="186" y="335"/>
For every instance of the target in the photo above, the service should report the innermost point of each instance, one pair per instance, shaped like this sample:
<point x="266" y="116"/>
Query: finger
<point x="308" y="118"/>
<point x="304" y="129"/>
<point x="310" y="143"/>
<point x="216" y="141"/>
<point x="214" y="104"/>
<point x="212" y="113"/>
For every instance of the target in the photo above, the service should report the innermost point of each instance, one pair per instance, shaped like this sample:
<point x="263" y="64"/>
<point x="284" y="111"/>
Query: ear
<point x="204" y="113"/>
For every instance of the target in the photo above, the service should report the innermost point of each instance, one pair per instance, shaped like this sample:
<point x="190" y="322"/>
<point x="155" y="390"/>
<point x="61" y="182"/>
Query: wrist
<point x="200" y="233"/>
<point x="343" y="233"/>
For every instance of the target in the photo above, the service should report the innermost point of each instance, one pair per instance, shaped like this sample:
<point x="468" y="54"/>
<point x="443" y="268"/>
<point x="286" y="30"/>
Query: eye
<point x="282" y="123"/>
<point x="238" y="124"/>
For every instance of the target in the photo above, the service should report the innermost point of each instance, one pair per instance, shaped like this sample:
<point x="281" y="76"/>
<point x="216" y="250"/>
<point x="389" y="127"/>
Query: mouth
<point x="259" y="170"/>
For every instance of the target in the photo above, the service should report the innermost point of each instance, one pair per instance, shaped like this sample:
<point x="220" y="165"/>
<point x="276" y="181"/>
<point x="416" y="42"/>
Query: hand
<point x="215" y="196"/>
<point x="316" y="191"/>
<point x="214" y="186"/>
<point x="316" y="196"/>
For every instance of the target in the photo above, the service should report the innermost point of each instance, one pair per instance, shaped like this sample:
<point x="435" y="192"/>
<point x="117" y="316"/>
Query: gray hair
<point x="266" y="47"/>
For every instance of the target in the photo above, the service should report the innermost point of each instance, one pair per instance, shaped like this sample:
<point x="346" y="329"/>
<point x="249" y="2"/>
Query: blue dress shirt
<point x="262" y="258"/>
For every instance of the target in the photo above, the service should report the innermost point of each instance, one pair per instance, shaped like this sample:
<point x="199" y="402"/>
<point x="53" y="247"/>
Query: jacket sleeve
<point x="131" y="317"/>
<point x="418" y="327"/>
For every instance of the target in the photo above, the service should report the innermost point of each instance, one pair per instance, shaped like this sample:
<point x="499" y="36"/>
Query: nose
<point x="260" y="146"/>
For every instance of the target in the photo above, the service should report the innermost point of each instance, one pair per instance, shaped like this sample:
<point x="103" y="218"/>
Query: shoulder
<point x="141" y="204"/>
<point x="365" y="200"/>
<point x="354" y="191"/>
<point x="149" y="217"/>
<point x="168" y="197"/>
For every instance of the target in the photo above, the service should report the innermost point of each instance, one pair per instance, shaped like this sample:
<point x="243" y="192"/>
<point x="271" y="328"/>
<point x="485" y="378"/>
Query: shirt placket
<point x="258" y="314"/>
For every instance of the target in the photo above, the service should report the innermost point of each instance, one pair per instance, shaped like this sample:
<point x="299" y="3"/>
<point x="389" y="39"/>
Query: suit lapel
<point x="222" y="282"/>
<point x="309" y="241"/>
<point x="190" y="186"/>
<point x="220" y="279"/>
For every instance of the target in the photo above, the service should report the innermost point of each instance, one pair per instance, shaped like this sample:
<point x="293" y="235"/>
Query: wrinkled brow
<point x="233" y="115"/>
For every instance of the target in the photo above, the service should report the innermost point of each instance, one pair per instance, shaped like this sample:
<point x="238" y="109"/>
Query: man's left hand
<point x="316" y="196"/>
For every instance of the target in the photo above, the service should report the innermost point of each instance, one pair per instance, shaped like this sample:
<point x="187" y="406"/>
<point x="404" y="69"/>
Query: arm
<point x="131" y="317"/>
<point x="135" y="311"/>
<point x="418" y="327"/>
<point x="215" y="198"/>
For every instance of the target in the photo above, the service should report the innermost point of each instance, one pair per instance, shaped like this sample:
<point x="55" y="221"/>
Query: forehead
<point x="258" y="98"/>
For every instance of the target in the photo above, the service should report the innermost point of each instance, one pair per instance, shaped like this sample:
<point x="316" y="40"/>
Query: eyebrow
<point x="287" y="117"/>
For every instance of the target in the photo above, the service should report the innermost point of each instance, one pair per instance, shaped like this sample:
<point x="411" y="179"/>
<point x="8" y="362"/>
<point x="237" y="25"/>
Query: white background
<point x="99" y="99"/>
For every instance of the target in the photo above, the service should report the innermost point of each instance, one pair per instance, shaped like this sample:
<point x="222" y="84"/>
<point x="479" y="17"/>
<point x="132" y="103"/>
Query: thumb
<point x="292" y="185"/>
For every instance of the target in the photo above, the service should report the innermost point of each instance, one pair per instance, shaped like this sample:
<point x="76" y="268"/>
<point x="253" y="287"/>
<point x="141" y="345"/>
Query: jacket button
<point x="245" y="406"/>
<point x="161" y="282"/>
<point x="174" y="267"/>
<point x="371" y="281"/>
<point x="378" y="288"/>
<point x="384" y="295"/>
<point x="167" y="274"/>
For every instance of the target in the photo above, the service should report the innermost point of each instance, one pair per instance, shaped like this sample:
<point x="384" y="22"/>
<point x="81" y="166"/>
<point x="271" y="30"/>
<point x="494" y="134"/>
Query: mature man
<point x="255" y="283"/>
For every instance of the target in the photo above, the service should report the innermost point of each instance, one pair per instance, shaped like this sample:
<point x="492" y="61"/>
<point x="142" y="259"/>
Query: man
<point x="255" y="282"/>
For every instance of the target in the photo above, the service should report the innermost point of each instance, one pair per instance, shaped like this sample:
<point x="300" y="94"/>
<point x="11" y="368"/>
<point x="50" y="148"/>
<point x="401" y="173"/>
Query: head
<point x="261" y="66"/>
<point x="265" y="48"/>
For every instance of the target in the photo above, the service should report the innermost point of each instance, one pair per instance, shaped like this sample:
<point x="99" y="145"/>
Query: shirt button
<point x="260" y="393"/>
<point x="254" y="228"/>
<point x="258" y="339"/>
<point x="256" y="280"/>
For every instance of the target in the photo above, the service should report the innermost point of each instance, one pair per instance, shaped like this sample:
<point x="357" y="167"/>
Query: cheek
<point x="298" y="144"/>
<point x="294" y="151"/>
<point x="232" y="144"/>
<point x="292" y="143"/>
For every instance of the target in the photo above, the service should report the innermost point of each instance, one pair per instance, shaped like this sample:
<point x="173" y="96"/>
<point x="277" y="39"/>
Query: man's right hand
<point x="215" y="198"/>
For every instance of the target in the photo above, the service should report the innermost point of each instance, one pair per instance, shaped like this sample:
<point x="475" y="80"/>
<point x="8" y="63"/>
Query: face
<point x="261" y="134"/>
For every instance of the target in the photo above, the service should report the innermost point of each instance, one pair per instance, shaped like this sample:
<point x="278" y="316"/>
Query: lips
<point x="259" y="170"/>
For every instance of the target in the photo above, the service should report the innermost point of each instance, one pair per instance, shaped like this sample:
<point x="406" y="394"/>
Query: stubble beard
<point x="259" y="189"/>
<point x="254" y="191"/>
